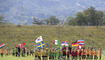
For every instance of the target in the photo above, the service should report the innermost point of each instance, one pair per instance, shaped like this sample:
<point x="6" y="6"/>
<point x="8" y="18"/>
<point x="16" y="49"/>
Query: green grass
<point x="13" y="35"/>
<point x="16" y="58"/>
<point x="26" y="58"/>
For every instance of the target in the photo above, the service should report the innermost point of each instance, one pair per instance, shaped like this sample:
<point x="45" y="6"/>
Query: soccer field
<point x="26" y="58"/>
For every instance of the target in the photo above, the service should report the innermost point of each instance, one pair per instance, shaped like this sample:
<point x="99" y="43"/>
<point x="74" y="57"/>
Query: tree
<point x="53" y="20"/>
<point x="2" y="21"/>
<point x="103" y="22"/>
<point x="80" y="19"/>
<point x="99" y="18"/>
<point x="89" y="16"/>
<point x="47" y="21"/>
<point x="70" y="21"/>
<point x="35" y="20"/>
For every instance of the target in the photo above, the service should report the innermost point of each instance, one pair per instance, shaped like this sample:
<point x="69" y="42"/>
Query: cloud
<point x="53" y="0"/>
<point x="44" y="8"/>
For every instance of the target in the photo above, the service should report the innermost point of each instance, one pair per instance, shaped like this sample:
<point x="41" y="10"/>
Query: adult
<point x="19" y="50"/>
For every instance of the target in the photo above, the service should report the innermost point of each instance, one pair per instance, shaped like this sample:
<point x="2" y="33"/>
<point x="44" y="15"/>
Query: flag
<point x="25" y="44"/>
<point x="56" y="42"/>
<point x="80" y="46"/>
<point x="64" y="44"/>
<point x="39" y="39"/>
<point x="41" y="45"/>
<point x="66" y="41"/>
<point x="80" y="42"/>
<point x="2" y="45"/>
<point x="74" y="44"/>
<point x="19" y="45"/>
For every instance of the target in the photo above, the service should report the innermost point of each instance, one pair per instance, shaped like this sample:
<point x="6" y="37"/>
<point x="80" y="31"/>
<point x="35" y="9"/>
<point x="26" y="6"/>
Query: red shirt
<point x="73" y="53"/>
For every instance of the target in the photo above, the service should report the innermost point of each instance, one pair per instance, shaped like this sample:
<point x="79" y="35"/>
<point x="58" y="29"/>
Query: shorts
<point x="95" y="57"/>
<point x="88" y="56"/>
<point x="1" y="54"/>
<point x="64" y="54"/>
<point x="91" y="57"/>
<point x="83" y="56"/>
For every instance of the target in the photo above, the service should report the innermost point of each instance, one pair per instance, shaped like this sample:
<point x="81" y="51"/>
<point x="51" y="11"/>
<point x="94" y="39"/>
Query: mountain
<point x="22" y="11"/>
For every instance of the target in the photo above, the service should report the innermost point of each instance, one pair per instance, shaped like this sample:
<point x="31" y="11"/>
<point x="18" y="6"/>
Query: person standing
<point x="31" y="52"/>
<point x="100" y="53"/>
<point x="87" y="53"/>
<point x="84" y="54"/>
<point x="19" y="50"/>
<point x="1" y="52"/>
<point x="73" y="54"/>
<point x="64" y="52"/>
<point x="67" y="53"/>
<point x="6" y="52"/>
<point x="95" y="54"/>
<point x="92" y="50"/>
<point x="80" y="52"/>
<point x="27" y="52"/>
<point x="16" y="52"/>
<point x="24" y="51"/>
<point x="77" y="53"/>
<point x="70" y="48"/>
<point x="13" y="51"/>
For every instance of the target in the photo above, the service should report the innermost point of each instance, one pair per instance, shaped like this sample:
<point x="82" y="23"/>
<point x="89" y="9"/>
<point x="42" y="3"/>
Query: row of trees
<point x="53" y="20"/>
<point x="2" y="20"/>
<point x="89" y="17"/>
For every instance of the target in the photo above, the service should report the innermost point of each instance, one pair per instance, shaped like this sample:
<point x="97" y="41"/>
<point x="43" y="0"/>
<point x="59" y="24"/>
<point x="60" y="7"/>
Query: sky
<point x="23" y="11"/>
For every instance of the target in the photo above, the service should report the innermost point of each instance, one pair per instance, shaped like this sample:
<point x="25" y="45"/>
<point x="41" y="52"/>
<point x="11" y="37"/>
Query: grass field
<point x="13" y="35"/>
<point x="27" y="58"/>
<point x="16" y="58"/>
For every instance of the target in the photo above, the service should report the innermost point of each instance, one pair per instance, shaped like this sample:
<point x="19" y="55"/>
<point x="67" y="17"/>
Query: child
<point x="67" y="53"/>
<point x="1" y="52"/>
<point x="6" y="52"/>
<point x="84" y="54"/>
<point x="73" y="54"/>
<point x="100" y="53"/>
<point x="80" y="52"/>
<point x="95" y="54"/>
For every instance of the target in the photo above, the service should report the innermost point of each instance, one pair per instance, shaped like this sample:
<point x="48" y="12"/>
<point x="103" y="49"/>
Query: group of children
<point x="84" y="53"/>
<point x="22" y="52"/>
<point x="69" y="53"/>
<point x="2" y="52"/>
<point x="64" y="53"/>
<point x="17" y="52"/>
